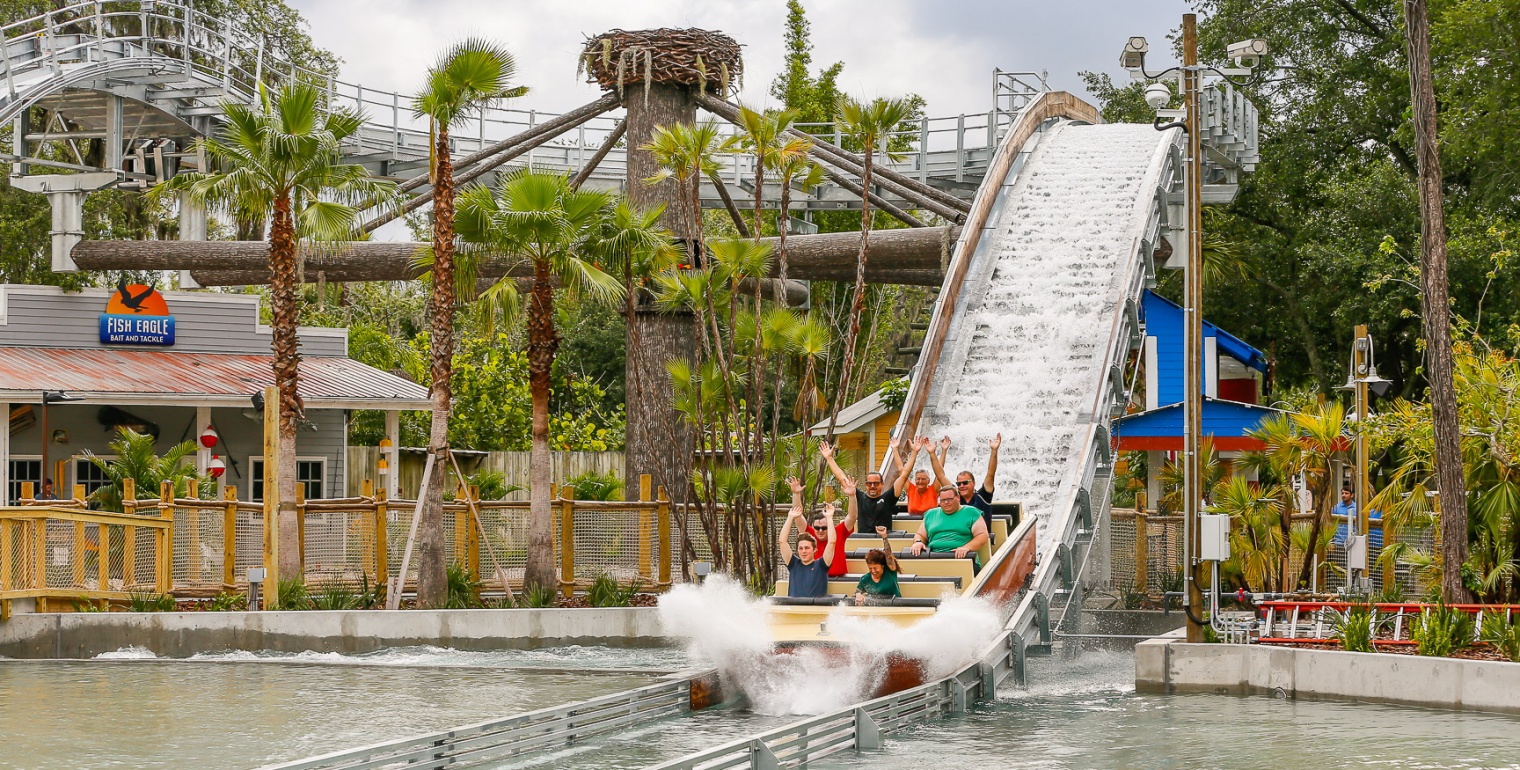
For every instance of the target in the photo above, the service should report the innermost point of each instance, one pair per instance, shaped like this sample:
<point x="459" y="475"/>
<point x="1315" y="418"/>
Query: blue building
<point x="1232" y="379"/>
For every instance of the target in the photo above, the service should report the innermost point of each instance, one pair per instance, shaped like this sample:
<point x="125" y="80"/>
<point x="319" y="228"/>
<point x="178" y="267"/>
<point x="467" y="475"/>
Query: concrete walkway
<point x="182" y="634"/>
<point x="1169" y="665"/>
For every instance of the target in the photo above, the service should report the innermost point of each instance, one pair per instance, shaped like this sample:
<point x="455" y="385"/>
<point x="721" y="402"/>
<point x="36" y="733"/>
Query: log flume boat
<point x="926" y="581"/>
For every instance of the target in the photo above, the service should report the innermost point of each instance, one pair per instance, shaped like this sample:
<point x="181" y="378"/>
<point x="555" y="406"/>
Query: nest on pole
<point x="691" y="57"/>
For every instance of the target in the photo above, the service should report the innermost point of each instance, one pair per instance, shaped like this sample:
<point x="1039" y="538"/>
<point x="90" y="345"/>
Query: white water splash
<point x="723" y="624"/>
<point x="133" y="652"/>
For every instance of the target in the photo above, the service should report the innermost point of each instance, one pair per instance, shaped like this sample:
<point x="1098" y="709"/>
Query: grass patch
<point x="605" y="591"/>
<point x="150" y="602"/>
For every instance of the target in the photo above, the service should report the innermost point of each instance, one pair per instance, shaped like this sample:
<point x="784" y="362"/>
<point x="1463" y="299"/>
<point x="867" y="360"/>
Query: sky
<point x="942" y="50"/>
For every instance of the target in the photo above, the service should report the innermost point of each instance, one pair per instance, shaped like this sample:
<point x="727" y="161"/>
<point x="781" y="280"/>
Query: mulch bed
<point x="1476" y="652"/>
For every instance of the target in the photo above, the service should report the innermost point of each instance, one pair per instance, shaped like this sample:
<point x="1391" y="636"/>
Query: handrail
<point x="499" y="738"/>
<point x="36" y="512"/>
<point x="228" y="56"/>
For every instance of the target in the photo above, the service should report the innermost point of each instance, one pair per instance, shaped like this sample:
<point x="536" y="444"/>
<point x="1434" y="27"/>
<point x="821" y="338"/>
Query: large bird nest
<point x="692" y="57"/>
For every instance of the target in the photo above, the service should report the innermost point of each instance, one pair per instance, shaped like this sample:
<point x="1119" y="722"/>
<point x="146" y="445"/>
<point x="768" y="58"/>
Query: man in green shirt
<point x="951" y="527"/>
<point x="880" y="580"/>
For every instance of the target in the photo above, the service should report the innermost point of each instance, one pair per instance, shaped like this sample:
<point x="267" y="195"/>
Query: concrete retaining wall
<point x="181" y="634"/>
<point x="1169" y="665"/>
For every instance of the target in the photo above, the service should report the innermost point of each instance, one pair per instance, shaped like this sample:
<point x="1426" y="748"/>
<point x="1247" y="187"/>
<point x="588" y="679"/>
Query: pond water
<point x="1085" y="714"/>
<point x="241" y="710"/>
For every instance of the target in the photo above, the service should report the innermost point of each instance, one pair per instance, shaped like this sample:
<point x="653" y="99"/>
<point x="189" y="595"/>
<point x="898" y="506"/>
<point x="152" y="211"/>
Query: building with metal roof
<point x="77" y="366"/>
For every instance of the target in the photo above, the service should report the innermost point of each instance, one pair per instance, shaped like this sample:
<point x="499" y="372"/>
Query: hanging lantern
<point x="209" y="437"/>
<point x="216" y="467"/>
<point x="383" y="467"/>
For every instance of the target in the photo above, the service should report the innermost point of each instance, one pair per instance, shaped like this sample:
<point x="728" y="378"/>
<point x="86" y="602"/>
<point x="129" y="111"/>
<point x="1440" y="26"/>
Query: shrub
<point x="1503" y="633"/>
<point x="293" y="594"/>
<point x="464" y="588"/>
<point x="596" y="486"/>
<point x="607" y="592"/>
<point x="1441" y="630"/>
<point x="334" y="595"/>
<point x="228" y="602"/>
<point x="536" y="596"/>
<point x="150" y="602"/>
<point x="1356" y="628"/>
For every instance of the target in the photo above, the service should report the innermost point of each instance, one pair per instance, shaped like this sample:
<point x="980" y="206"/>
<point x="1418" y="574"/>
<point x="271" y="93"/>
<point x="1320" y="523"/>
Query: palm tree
<point x="869" y="125"/>
<point x="282" y="161"/>
<point x="539" y="218"/>
<point x="467" y="78"/>
<point x="137" y="460"/>
<point x="687" y="153"/>
<point x="765" y="133"/>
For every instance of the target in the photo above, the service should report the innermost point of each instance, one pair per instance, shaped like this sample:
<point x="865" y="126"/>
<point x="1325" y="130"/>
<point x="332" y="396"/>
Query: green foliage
<point x="1356" y="628"/>
<point x="592" y="485"/>
<point x="334" y="595"/>
<point x="535" y="596"/>
<point x="1121" y="104"/>
<point x="137" y="460"/>
<point x="894" y="393"/>
<point x="293" y="594"/>
<point x="1503" y="633"/>
<point x="226" y="601"/>
<point x="1441" y="631"/>
<point x="464" y="588"/>
<point x="605" y="591"/>
<point x="492" y="485"/>
<point x="815" y="98"/>
<point x="150" y="602"/>
<point x="468" y="77"/>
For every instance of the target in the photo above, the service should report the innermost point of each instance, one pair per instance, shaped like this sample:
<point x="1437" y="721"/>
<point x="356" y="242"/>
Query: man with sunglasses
<point x="876" y="502"/>
<point x="979" y="498"/>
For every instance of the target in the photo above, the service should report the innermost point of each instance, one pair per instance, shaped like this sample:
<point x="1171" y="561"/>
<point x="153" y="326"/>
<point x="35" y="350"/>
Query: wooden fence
<point x="363" y="463"/>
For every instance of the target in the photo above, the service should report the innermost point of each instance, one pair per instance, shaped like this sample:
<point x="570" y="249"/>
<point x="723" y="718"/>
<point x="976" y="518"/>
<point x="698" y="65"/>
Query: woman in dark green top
<point x="880" y="580"/>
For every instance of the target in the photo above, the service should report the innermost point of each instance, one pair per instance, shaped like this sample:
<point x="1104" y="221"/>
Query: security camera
<point x="1133" y="57"/>
<point x="1248" y="53"/>
<point x="1158" y="95"/>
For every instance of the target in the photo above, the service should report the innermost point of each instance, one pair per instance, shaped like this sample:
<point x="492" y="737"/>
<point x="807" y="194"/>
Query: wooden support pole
<point x="103" y="563"/>
<point x="165" y="539"/>
<point x="301" y="525"/>
<point x="272" y="498"/>
<point x="646" y="529"/>
<point x="1142" y="551"/>
<point x="601" y="153"/>
<point x="662" y="514"/>
<point x="78" y="555"/>
<point x="472" y="534"/>
<point x="7" y="577"/>
<point x="567" y="541"/>
<point x="229" y="536"/>
<point x="382" y="538"/>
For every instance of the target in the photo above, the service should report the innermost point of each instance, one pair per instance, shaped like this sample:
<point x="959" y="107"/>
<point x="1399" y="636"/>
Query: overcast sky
<point x="943" y="50"/>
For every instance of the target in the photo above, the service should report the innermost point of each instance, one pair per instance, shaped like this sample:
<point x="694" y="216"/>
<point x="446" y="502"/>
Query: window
<point x="93" y="478"/>
<point x="24" y="470"/>
<point x="311" y="472"/>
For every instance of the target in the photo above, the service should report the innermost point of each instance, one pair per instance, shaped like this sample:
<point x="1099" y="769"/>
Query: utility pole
<point x="1192" y="336"/>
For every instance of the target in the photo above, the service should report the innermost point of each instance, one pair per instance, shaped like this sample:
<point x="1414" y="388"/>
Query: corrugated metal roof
<point x="196" y="379"/>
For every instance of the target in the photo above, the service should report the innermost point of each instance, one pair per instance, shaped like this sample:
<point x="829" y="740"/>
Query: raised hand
<point x="881" y="532"/>
<point x="920" y="442"/>
<point x="847" y="486"/>
<point x="995" y="442"/>
<point x="944" y="444"/>
<point x="828" y="513"/>
<point x="894" y="442"/>
<point x="826" y="450"/>
<point x="795" y="483"/>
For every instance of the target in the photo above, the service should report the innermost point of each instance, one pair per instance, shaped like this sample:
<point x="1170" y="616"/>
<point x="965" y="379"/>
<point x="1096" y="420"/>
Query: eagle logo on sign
<point x="136" y="315"/>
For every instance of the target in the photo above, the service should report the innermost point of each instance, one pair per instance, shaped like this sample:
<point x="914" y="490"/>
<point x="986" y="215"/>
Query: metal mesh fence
<point x="199" y="545"/>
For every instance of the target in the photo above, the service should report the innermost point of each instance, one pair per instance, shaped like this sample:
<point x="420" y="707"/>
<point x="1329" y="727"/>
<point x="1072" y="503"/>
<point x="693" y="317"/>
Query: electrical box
<point x="1214" y="537"/>
<point x="1357" y="552"/>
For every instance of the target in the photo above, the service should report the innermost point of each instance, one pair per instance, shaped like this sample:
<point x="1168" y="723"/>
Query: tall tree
<point x="282" y="161"/>
<point x="868" y="125"/>
<point x="815" y="99"/>
<point x="539" y="218"/>
<point x="467" y="78"/>
<point x="1435" y="306"/>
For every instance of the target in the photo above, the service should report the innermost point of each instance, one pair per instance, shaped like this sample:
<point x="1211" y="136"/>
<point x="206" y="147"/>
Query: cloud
<point x="944" y="51"/>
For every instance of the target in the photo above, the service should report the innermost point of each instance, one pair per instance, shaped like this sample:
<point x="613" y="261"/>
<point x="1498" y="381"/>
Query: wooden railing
<point x="49" y="549"/>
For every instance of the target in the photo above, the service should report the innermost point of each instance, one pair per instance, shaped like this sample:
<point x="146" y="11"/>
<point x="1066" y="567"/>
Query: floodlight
<point x="1248" y="53"/>
<point x="1133" y="57"/>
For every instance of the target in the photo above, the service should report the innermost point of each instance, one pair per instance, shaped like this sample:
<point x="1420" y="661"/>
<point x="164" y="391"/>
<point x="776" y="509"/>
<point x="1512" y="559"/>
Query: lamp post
<point x="1246" y="54"/>
<point x="50" y="397"/>
<point x="1362" y="377"/>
